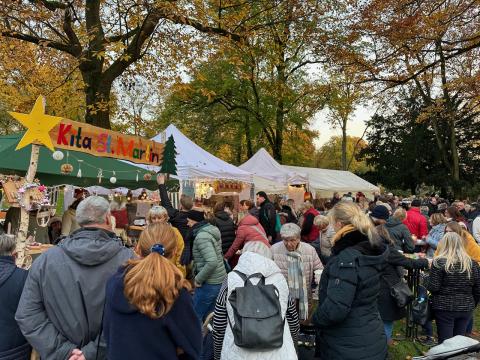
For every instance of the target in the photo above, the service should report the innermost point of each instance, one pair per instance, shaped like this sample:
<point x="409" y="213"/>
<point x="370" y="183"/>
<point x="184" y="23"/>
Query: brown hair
<point x="454" y="213"/>
<point x="400" y="214"/>
<point x="219" y="206"/>
<point x="186" y="202"/>
<point x="247" y="203"/>
<point x="152" y="283"/>
<point x="437" y="218"/>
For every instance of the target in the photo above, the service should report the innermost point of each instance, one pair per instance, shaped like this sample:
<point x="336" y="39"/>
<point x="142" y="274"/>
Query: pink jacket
<point x="249" y="229"/>
<point x="416" y="223"/>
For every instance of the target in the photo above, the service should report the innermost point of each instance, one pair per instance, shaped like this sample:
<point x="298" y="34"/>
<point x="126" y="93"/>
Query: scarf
<point x="342" y="232"/>
<point x="297" y="284"/>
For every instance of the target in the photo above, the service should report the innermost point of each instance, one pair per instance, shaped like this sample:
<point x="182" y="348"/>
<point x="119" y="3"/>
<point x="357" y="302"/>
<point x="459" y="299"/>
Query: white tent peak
<point x="193" y="162"/>
<point x="263" y="164"/>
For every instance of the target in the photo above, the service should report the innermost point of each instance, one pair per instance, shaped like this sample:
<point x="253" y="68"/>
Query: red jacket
<point x="310" y="231"/>
<point x="249" y="229"/>
<point x="416" y="223"/>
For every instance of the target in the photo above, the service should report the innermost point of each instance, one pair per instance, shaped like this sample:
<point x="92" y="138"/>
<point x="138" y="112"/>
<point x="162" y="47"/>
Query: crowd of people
<point x="255" y="279"/>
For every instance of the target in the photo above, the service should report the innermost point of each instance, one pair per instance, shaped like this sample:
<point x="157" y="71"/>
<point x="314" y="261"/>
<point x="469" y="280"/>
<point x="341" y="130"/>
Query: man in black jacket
<point x="178" y="218"/>
<point x="13" y="344"/>
<point x="267" y="215"/>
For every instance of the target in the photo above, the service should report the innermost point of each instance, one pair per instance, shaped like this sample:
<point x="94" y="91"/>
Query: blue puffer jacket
<point x="12" y="279"/>
<point x="434" y="237"/>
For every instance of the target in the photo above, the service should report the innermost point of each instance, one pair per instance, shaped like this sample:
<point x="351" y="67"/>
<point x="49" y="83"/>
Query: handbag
<point x="401" y="293"/>
<point x="422" y="311"/>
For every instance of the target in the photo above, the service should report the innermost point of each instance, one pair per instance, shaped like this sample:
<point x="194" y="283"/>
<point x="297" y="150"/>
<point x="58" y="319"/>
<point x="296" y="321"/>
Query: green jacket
<point x="207" y="255"/>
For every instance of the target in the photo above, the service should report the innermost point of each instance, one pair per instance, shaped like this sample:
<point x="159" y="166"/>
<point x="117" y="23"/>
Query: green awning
<point x="48" y="171"/>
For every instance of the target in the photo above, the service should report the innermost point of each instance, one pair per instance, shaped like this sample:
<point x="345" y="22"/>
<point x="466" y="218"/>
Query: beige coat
<point x="69" y="222"/>
<point x="311" y="261"/>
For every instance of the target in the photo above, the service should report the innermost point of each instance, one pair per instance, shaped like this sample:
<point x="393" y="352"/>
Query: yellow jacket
<point x="179" y="251"/>
<point x="471" y="246"/>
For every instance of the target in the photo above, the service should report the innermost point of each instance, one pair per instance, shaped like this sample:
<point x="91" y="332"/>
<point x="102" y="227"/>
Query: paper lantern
<point x="66" y="168"/>
<point x="57" y="155"/>
<point x="147" y="176"/>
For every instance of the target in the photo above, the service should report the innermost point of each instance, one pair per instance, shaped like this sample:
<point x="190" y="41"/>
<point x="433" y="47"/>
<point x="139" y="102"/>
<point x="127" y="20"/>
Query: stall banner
<point x="76" y="136"/>
<point x="57" y="132"/>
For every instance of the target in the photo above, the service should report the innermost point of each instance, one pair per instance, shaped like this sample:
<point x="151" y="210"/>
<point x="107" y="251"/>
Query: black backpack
<point x="258" y="315"/>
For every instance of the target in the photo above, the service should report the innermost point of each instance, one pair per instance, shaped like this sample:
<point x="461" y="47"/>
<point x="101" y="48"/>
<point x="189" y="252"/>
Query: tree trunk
<point x="280" y="110"/>
<point x="97" y="98"/>
<point x="248" y="137"/>
<point x="22" y="259"/>
<point x="344" y="144"/>
<point x="455" y="167"/>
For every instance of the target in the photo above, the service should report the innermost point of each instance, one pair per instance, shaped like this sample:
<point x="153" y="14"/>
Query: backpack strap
<point x="245" y="278"/>
<point x="258" y="230"/>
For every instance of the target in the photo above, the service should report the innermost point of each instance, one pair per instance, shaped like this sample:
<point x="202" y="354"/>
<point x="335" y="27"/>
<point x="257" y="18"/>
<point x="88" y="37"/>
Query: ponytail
<point x="349" y="213"/>
<point x="153" y="282"/>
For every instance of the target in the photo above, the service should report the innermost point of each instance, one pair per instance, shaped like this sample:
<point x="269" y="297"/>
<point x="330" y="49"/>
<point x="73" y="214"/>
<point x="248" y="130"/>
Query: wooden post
<point x="22" y="258"/>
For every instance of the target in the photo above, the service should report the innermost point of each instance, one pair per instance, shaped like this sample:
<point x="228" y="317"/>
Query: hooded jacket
<point x="249" y="229"/>
<point x="347" y="318"/>
<point x="225" y="224"/>
<point x="62" y="303"/>
<point x="433" y="238"/>
<point x="309" y="231"/>
<point x="12" y="279"/>
<point x="401" y="235"/>
<point x="130" y="334"/>
<point x="207" y="254"/>
<point x="248" y="264"/>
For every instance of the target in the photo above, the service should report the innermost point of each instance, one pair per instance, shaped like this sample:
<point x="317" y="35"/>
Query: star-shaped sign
<point x="38" y="125"/>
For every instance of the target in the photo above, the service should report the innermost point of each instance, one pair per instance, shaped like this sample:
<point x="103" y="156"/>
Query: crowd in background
<point x="333" y="263"/>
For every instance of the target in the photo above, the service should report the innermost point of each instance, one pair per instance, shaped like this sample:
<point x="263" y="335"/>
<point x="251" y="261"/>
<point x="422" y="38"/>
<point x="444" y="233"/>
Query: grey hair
<point x="259" y="248"/>
<point x="321" y="220"/>
<point x="157" y="211"/>
<point x="290" y="230"/>
<point x="92" y="210"/>
<point x="7" y="245"/>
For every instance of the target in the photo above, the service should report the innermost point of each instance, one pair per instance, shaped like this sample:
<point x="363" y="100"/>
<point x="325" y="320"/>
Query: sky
<point x="355" y="127"/>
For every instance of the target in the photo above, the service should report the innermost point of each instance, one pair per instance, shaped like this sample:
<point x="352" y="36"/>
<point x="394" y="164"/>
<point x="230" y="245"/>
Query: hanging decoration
<point x="17" y="191"/>
<point x="79" y="174"/>
<point x="66" y="168"/>
<point x="147" y="176"/>
<point x="113" y="179"/>
<point x="228" y="186"/>
<point x="136" y="178"/>
<point x="57" y="155"/>
<point x="100" y="175"/>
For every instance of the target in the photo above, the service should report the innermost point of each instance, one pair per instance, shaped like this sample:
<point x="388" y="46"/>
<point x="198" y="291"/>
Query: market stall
<point x="203" y="175"/>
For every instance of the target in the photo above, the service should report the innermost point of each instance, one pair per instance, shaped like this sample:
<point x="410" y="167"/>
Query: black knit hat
<point x="196" y="215"/>
<point x="380" y="212"/>
<point x="416" y="202"/>
<point x="262" y="194"/>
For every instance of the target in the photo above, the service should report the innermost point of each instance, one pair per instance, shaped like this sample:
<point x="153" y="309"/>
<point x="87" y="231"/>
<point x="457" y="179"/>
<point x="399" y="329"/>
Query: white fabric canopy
<point x="334" y="180"/>
<point x="195" y="163"/>
<point x="262" y="164"/>
<point x="269" y="186"/>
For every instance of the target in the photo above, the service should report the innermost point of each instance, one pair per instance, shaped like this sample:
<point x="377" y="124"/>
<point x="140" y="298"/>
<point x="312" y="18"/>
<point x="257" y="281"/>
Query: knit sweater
<point x="454" y="291"/>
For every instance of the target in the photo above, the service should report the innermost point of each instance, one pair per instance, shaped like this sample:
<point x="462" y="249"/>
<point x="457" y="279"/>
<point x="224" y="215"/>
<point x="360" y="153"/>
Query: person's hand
<point x="269" y="238"/>
<point x="430" y="262"/>
<point x="421" y="255"/>
<point x="76" y="354"/>
<point x="160" y="179"/>
<point x="197" y="285"/>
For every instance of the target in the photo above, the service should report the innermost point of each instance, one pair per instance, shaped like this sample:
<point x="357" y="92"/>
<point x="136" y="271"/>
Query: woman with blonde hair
<point x="158" y="214"/>
<point x="454" y="282"/>
<point x="347" y="316"/>
<point x="148" y="308"/>
<point x="471" y="246"/>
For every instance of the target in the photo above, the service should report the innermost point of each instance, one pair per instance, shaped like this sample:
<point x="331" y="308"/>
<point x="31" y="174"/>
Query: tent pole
<point x="22" y="259"/>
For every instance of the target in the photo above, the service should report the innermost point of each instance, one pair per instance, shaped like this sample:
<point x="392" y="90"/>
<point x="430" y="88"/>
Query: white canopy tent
<point x="263" y="165"/>
<point x="195" y="163"/>
<point x="327" y="181"/>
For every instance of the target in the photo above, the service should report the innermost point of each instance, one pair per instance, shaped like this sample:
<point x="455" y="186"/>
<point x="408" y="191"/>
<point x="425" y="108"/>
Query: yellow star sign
<point x="38" y="125"/>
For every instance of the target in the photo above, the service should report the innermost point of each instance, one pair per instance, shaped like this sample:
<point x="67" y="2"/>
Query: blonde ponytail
<point x="349" y="213"/>
<point x="153" y="282"/>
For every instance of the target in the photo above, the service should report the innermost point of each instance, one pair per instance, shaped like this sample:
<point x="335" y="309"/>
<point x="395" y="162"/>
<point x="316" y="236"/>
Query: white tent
<point x="262" y="164"/>
<point x="269" y="186"/>
<point x="334" y="180"/>
<point x="195" y="163"/>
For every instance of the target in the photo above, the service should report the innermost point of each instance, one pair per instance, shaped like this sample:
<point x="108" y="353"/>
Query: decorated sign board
<point x="61" y="133"/>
